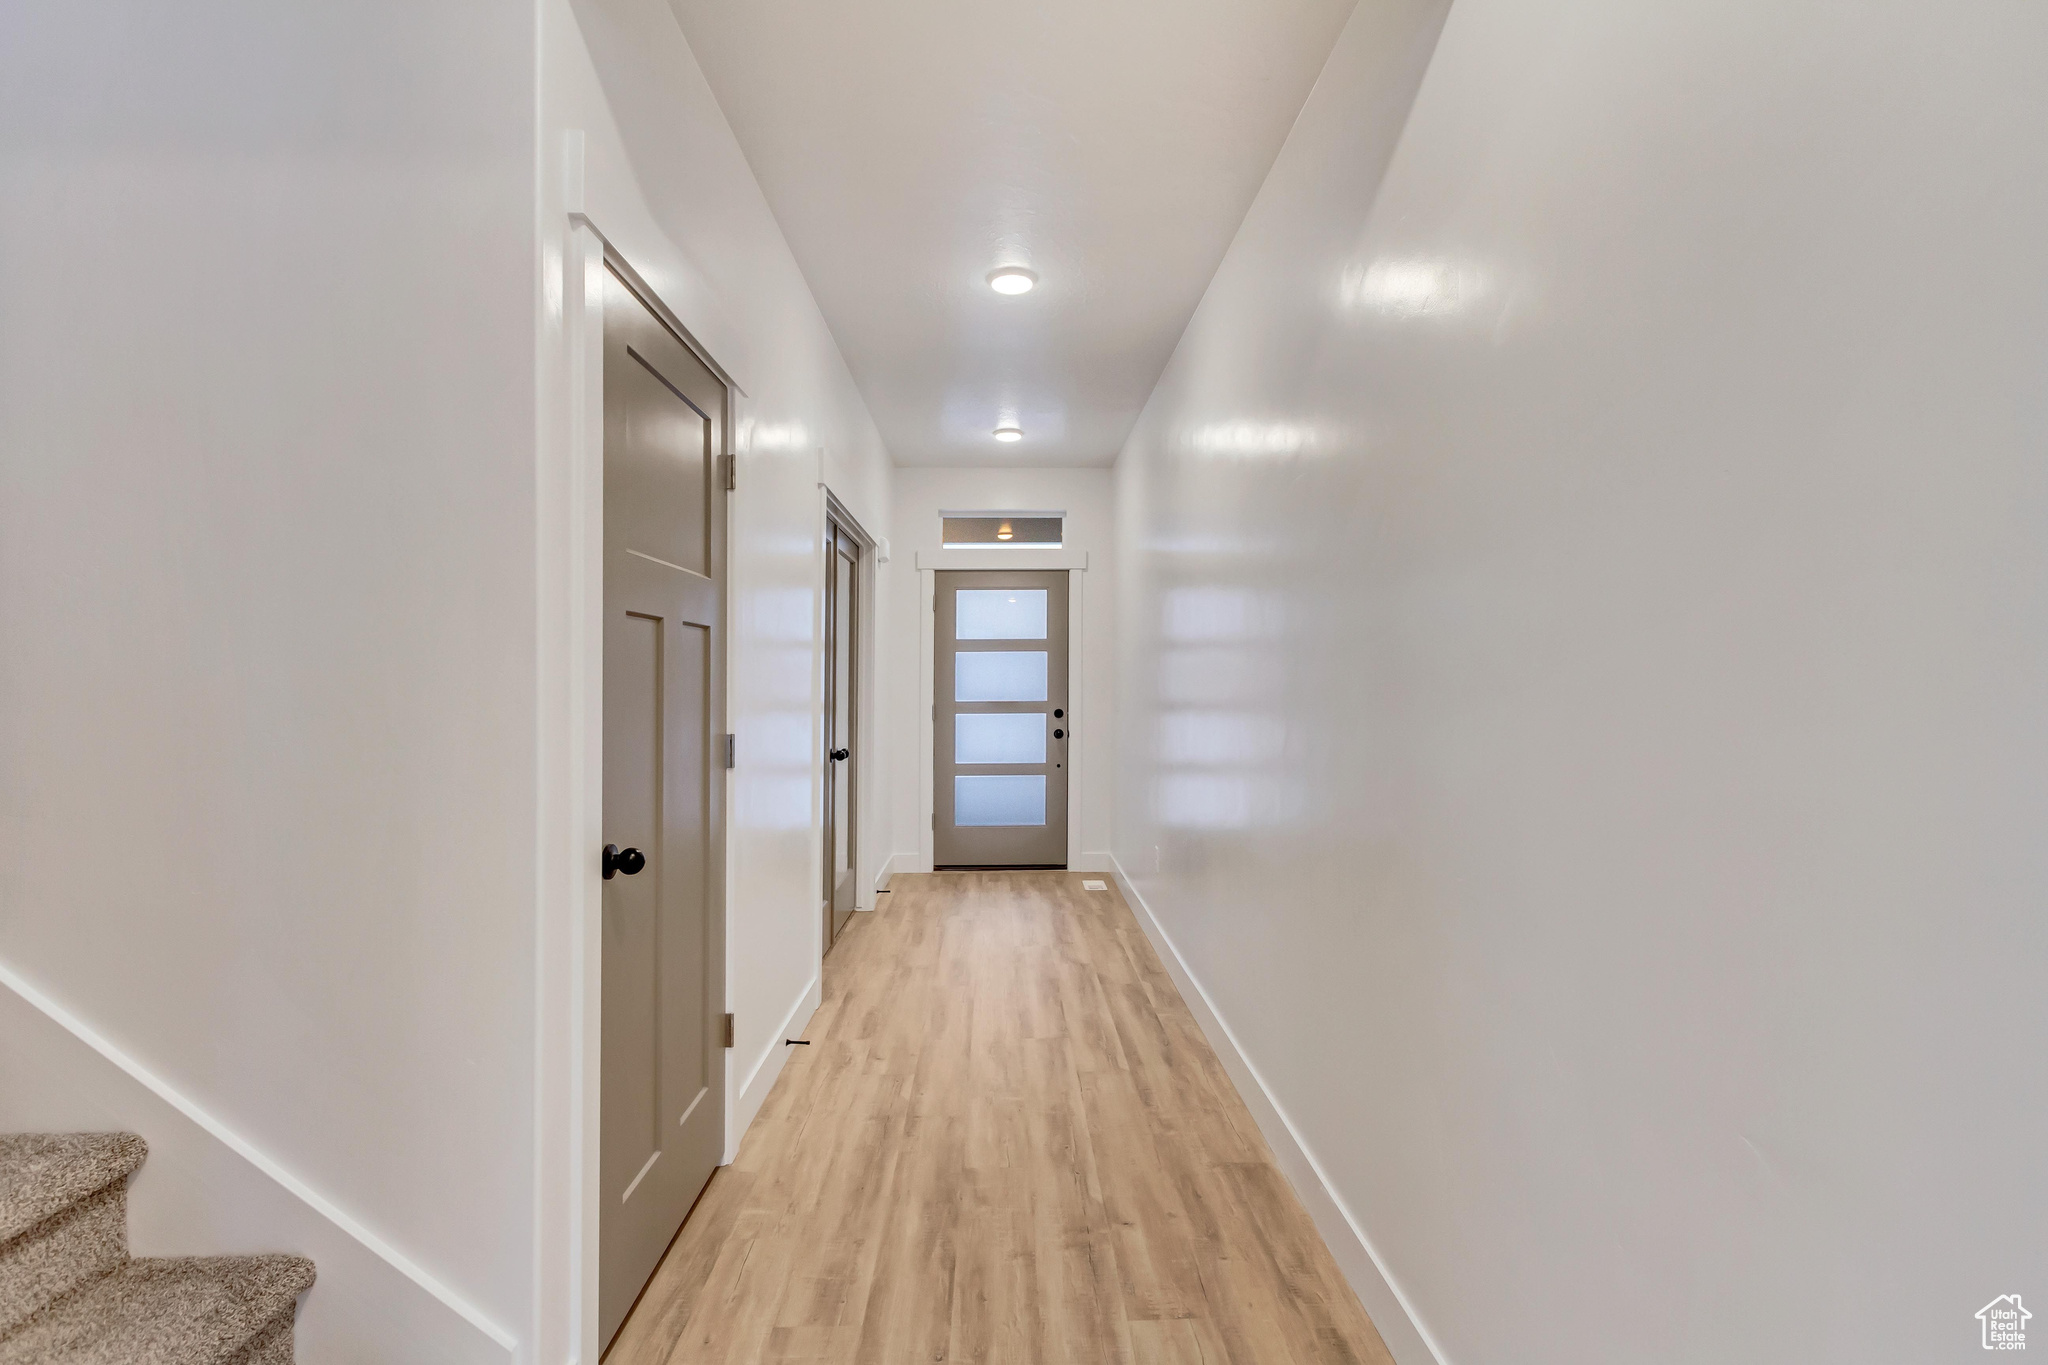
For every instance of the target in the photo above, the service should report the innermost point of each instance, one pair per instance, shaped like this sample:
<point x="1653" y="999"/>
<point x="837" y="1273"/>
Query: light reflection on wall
<point x="1208" y="546"/>
<point x="780" y="739"/>
<point x="769" y="436"/>
<point x="1221" y="736"/>
<point x="1213" y="613"/>
<point x="782" y="614"/>
<point x="1217" y="677"/>
<point x="1251" y="439"/>
<point x="1413" y="288"/>
<point x="779" y="800"/>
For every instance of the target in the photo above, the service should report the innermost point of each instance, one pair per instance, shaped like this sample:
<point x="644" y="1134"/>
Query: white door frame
<point x="929" y="563"/>
<point x="831" y="507"/>
<point x="568" y="985"/>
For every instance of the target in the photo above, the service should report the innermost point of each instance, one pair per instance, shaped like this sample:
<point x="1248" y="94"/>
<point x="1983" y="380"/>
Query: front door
<point x="662" y="1117"/>
<point x="1000" y="720"/>
<point x="842" y="726"/>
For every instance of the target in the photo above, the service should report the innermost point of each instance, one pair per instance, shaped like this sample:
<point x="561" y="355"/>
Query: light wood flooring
<point x="1009" y="1144"/>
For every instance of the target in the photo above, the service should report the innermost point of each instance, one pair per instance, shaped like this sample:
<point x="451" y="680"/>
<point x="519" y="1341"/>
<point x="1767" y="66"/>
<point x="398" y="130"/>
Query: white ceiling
<point x="909" y="147"/>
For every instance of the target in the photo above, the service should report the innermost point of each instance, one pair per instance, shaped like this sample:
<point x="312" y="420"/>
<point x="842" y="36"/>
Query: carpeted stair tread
<point x="45" y="1173"/>
<point x="184" y="1310"/>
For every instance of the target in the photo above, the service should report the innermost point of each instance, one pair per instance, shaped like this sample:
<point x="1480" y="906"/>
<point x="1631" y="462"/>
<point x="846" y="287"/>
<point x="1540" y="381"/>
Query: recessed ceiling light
<point x="1009" y="433"/>
<point x="1012" y="279"/>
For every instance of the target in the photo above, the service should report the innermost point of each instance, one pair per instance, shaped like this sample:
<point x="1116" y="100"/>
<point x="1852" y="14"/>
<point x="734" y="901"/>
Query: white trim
<point x="1074" y="675"/>
<point x="559" y="391"/>
<point x="659" y="306"/>
<point x="248" y="1151"/>
<point x="869" y="795"/>
<point x="570" y="683"/>
<point x="1002" y="559"/>
<point x="867" y="712"/>
<point x="821" y="564"/>
<point x="1399" y="1326"/>
<point x="927" y="597"/>
<point x="569" y="741"/>
<point x="754" y="1093"/>
<point x="585" y="336"/>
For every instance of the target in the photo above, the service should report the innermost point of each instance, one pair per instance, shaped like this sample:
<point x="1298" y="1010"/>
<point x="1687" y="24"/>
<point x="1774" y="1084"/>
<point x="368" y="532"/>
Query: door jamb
<point x="834" y="508"/>
<point x="570" y="782"/>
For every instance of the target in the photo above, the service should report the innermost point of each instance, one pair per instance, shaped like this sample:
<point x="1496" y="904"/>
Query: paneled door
<point x="662" y="1111"/>
<point x="1000" y="719"/>
<point x="842" y="724"/>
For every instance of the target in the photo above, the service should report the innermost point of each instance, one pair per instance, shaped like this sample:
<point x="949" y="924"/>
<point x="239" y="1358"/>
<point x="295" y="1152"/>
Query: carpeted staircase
<point x="71" y="1295"/>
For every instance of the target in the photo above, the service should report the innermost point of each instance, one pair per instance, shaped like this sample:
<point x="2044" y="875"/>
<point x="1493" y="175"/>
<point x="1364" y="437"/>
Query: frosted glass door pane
<point x="1002" y="800"/>
<point x="999" y="614"/>
<point x="999" y="675"/>
<point x="999" y="739"/>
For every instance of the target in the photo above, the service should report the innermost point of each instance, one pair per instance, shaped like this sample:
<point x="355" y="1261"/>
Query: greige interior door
<point x="662" y="1119"/>
<point x="1000" y="720"/>
<point x="842" y="726"/>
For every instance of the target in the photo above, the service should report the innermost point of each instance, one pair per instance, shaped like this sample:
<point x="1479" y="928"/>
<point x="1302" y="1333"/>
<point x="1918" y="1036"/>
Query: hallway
<point x="1007" y="1142"/>
<point x="1513" y="538"/>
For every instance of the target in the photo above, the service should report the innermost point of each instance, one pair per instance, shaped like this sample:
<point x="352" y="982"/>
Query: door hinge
<point x="728" y="1030"/>
<point x="732" y="472"/>
<point x="732" y="751"/>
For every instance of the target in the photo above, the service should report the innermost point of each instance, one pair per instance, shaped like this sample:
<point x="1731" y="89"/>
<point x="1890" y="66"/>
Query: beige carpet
<point x="71" y="1295"/>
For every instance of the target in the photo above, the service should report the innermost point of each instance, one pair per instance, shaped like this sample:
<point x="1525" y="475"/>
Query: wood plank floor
<point x="1008" y="1143"/>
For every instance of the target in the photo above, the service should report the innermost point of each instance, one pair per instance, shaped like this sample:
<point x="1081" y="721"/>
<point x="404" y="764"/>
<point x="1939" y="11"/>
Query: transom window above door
<point x="1001" y="530"/>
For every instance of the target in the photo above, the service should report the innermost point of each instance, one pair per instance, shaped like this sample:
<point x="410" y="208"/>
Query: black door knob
<point x="626" y="860"/>
<point x="839" y="755"/>
<point x="1059" y="734"/>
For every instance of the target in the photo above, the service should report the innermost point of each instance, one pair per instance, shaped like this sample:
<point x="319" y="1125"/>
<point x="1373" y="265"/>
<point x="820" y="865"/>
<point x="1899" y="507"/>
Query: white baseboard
<point x="753" y="1093"/>
<point x="1403" y="1332"/>
<point x="1093" y="862"/>
<point x="205" y="1191"/>
<point x="903" y="862"/>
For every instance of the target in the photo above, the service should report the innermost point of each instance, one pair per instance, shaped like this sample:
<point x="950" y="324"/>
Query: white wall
<point x="1086" y="495"/>
<point x="287" y="662"/>
<point x="266" y="584"/>
<point x="198" y="1194"/>
<point x="1586" y="661"/>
